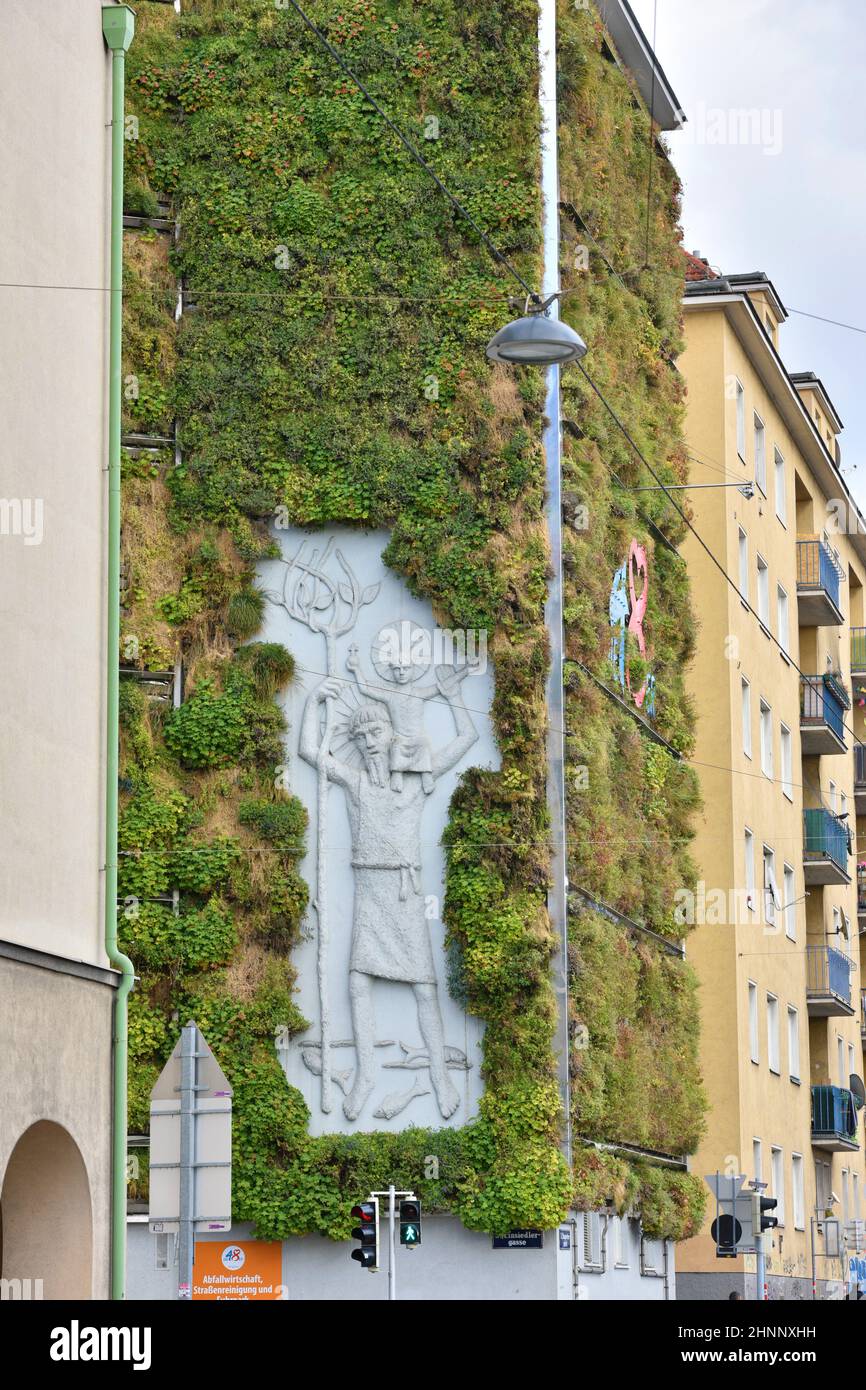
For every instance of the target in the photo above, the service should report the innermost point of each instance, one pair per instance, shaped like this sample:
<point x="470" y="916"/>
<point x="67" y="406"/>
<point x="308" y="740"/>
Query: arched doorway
<point x="45" y="1214"/>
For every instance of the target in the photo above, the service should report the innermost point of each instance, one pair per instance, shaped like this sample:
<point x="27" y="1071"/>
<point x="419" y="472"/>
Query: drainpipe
<point x="558" y="896"/>
<point x="118" y="26"/>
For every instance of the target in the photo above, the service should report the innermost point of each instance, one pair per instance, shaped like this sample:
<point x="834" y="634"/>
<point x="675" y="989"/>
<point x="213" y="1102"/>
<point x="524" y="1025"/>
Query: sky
<point x="790" y="197"/>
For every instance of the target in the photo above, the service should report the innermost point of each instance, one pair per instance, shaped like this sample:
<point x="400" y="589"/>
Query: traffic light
<point x="410" y="1222"/>
<point x="367" y="1232"/>
<point x="759" y="1220"/>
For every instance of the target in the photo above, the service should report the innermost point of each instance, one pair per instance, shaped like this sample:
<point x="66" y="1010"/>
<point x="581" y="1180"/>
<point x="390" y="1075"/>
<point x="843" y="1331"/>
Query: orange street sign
<point x="240" y="1269"/>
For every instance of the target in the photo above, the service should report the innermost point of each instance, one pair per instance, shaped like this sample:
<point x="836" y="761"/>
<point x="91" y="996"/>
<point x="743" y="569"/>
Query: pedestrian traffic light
<point x="367" y="1232"/>
<point x="759" y="1220"/>
<point x="410" y="1222"/>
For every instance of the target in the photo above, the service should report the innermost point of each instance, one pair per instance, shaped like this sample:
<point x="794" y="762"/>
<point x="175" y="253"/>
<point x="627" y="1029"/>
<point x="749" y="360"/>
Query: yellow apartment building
<point x="777" y="945"/>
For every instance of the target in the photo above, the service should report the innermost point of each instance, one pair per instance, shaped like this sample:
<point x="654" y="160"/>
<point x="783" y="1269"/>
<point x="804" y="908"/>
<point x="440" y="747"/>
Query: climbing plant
<point x="329" y="368"/>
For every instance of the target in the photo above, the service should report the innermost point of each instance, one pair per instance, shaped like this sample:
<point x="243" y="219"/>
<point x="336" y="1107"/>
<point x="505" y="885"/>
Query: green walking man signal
<point x="410" y="1222"/>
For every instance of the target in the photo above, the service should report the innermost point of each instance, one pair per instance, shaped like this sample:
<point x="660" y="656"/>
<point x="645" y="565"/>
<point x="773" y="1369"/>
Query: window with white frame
<point x="793" y="1043"/>
<point x="851" y="1062"/>
<point x="772" y="899"/>
<point x="749" y="850"/>
<point x="744" y="563"/>
<point x="591" y="1252"/>
<point x="741" y="421"/>
<point x="781" y="495"/>
<point x="754" y="1051"/>
<point x="789" y="899"/>
<point x="786" y="749"/>
<point x="778" y="1170"/>
<point x="760" y="455"/>
<point x="846" y="1197"/>
<point x="843" y="805"/>
<point x="766" y="739"/>
<point x="746" y="702"/>
<point x="837" y="925"/>
<point x="798" y="1191"/>
<point x="621" y="1242"/>
<point x="841" y="1057"/>
<point x="782" y="618"/>
<point x="763" y="591"/>
<point x="833" y="797"/>
<point x="856" y="1196"/>
<point x="773" y="1034"/>
<point x="758" y="1160"/>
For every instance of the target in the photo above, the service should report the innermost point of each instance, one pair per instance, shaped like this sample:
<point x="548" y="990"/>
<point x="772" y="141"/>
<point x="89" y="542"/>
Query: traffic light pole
<point x="760" y="1268"/>
<point x="392" y="1247"/>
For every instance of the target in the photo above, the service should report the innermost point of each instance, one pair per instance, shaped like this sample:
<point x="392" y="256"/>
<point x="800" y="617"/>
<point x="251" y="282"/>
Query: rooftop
<point x="637" y="55"/>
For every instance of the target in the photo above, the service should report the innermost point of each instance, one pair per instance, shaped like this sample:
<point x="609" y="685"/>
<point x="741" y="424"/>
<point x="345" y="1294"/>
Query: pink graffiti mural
<point x="627" y="613"/>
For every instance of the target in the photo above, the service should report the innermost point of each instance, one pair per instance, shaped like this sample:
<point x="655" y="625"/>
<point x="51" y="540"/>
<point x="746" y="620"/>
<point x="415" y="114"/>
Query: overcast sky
<point x="792" y="202"/>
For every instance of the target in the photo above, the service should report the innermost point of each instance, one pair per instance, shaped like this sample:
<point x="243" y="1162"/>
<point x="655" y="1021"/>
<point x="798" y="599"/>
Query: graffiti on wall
<point x="628" y="605"/>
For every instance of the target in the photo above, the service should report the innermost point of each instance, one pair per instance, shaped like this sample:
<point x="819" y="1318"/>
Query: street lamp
<point x="536" y="339"/>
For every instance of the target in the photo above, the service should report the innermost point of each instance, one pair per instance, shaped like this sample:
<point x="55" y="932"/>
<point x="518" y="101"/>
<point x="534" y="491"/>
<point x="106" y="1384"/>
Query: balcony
<point x="825" y="848"/>
<point x="834" y="1119"/>
<point x="858" y="651"/>
<point x="860" y="778"/>
<point x="828" y="983"/>
<point x="822" y="717"/>
<point x="817" y="585"/>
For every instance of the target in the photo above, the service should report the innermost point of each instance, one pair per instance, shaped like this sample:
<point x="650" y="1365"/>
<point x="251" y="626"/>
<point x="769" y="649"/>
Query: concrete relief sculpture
<point x="380" y="722"/>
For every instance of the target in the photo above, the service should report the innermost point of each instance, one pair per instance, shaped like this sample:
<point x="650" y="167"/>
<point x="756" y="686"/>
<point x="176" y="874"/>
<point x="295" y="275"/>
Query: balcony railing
<point x="826" y="837"/>
<point x="858" y="649"/>
<point x="821" y="707"/>
<point x="816" y="568"/>
<point x="828" y="977"/>
<point x="834" y="1117"/>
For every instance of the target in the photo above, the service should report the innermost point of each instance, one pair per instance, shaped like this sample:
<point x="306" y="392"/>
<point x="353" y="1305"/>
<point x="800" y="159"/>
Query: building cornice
<point x="638" y="57"/>
<point x="60" y="965"/>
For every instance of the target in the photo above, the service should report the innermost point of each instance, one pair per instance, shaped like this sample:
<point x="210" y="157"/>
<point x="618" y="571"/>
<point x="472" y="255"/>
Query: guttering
<point x="118" y="27"/>
<point x="761" y="352"/>
<point x="553" y="611"/>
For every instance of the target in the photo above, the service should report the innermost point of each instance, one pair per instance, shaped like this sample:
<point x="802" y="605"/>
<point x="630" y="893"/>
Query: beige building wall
<point x="760" y="1089"/>
<point x="54" y="187"/>
<point x="56" y="993"/>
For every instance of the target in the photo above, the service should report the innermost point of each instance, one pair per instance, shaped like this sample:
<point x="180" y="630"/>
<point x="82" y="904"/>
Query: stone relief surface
<point x="385" y="713"/>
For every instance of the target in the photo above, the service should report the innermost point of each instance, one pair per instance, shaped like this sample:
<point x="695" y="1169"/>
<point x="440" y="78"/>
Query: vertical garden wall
<point x="329" y="368"/>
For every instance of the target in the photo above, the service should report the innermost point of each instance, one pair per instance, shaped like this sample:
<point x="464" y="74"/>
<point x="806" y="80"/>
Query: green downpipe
<point x="118" y="26"/>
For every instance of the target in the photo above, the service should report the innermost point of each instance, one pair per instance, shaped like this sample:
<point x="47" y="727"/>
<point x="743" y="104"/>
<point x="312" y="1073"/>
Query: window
<point x="766" y="739"/>
<point x="744" y="564"/>
<point x="163" y="1251"/>
<point x="773" y="1033"/>
<point x="782" y="618"/>
<point x="781" y="497"/>
<point x="772" y="901"/>
<point x="753" y="1023"/>
<point x="786" y="750"/>
<point x="797" y="1192"/>
<point x="856" y="1177"/>
<point x="789" y="900"/>
<point x="778" y="1170"/>
<point x="840" y="1056"/>
<point x="758" y="1160"/>
<point x="763" y="591"/>
<point x="846" y="1197"/>
<point x="851" y="1066"/>
<point x="741" y="421"/>
<point x="621" y="1242"/>
<point x="760" y="456"/>
<point x="846" y="926"/>
<point x="833" y="797"/>
<point x="843" y="805"/>
<point x="822" y="1186"/>
<point x="746" y="696"/>
<point x="749" y="846"/>
<point x="591" y="1251"/>
<point x="793" y="1043"/>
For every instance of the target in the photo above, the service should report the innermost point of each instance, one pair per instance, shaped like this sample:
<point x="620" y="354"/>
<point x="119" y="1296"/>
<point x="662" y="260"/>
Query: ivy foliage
<point x="331" y="369"/>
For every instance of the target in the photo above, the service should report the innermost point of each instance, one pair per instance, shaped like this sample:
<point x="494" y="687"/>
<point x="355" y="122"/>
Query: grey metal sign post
<point x="190" y="1147"/>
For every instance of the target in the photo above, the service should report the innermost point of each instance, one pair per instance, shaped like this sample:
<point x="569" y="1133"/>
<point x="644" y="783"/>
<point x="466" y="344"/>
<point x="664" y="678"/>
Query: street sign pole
<point x="186" y="1236"/>
<point x="759" y="1266"/>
